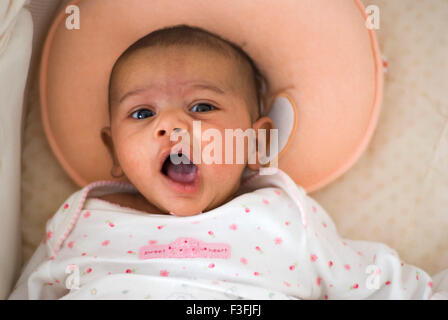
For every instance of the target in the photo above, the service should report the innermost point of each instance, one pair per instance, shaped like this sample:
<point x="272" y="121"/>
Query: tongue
<point x="182" y="173"/>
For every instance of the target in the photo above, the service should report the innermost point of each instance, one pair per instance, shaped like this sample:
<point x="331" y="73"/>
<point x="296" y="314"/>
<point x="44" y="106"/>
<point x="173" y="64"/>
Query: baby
<point x="199" y="230"/>
<point x="163" y="83"/>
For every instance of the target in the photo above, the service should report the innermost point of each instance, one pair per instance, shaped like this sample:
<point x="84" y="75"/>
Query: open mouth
<point x="180" y="169"/>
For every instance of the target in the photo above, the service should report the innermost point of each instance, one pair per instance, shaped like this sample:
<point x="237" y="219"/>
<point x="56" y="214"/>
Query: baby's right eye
<point x="142" y="113"/>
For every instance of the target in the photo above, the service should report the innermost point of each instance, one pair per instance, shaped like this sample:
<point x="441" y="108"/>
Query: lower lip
<point x="186" y="188"/>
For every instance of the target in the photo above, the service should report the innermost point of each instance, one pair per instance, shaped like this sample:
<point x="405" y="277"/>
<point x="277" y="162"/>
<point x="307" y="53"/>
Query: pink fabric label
<point x="186" y="248"/>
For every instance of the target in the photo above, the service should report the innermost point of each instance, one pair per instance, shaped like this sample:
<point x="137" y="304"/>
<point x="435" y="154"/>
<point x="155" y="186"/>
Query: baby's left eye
<point x="202" y="107"/>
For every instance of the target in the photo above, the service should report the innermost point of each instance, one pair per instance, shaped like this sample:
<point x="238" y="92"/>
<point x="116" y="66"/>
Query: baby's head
<point x="160" y="85"/>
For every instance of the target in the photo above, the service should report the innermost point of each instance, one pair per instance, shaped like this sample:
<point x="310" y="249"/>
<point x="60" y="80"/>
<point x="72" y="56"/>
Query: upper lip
<point x="163" y="156"/>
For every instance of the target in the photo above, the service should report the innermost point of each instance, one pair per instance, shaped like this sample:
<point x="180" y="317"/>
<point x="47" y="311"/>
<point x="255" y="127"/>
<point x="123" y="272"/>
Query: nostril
<point x="161" y="133"/>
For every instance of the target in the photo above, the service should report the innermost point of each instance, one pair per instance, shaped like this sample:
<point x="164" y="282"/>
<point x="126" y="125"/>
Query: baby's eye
<point x="202" y="107"/>
<point x="142" y="113"/>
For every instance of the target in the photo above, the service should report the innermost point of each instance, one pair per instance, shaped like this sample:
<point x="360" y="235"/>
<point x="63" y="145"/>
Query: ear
<point x="106" y="136"/>
<point x="266" y="124"/>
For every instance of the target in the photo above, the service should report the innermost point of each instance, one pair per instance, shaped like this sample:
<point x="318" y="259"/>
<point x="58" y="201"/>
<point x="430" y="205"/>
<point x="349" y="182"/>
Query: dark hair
<point x="189" y="35"/>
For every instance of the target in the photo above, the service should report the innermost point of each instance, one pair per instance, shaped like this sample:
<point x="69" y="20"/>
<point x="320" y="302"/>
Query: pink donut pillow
<point x="323" y="67"/>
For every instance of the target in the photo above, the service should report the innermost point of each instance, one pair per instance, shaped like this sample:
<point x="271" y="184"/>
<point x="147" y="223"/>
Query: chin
<point x="185" y="212"/>
<point x="183" y="207"/>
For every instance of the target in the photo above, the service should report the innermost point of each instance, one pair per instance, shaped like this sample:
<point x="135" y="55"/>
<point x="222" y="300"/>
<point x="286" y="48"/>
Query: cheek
<point x="229" y="147"/>
<point x="223" y="177"/>
<point x="131" y="152"/>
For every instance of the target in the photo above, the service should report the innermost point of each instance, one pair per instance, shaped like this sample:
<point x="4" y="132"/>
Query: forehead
<point x="175" y="65"/>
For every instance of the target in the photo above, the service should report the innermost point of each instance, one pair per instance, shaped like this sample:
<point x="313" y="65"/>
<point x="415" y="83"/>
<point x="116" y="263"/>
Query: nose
<point x="169" y="122"/>
<point x="163" y="132"/>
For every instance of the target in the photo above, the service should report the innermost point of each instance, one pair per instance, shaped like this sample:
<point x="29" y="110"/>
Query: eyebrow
<point x="203" y="86"/>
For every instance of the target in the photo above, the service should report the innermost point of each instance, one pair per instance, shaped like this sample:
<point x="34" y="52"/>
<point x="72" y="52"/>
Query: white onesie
<point x="272" y="241"/>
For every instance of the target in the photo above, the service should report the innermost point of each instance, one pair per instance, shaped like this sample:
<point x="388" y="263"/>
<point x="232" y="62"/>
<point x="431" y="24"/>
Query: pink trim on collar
<point x="85" y="192"/>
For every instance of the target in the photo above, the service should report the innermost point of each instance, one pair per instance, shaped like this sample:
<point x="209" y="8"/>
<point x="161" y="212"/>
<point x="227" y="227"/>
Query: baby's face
<point x="158" y="89"/>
